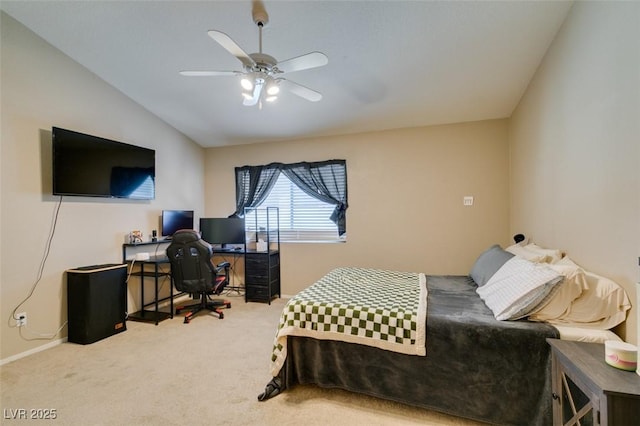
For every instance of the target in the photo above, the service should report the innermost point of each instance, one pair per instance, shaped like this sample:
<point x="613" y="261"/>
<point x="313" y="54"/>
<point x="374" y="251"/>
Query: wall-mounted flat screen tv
<point x="90" y="166"/>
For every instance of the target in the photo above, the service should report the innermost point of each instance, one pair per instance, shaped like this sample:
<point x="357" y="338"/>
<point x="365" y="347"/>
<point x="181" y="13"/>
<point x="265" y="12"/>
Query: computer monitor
<point x="228" y="230"/>
<point x="174" y="220"/>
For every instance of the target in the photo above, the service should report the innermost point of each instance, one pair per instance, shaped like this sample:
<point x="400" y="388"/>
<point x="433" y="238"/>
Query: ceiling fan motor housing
<point x="264" y="64"/>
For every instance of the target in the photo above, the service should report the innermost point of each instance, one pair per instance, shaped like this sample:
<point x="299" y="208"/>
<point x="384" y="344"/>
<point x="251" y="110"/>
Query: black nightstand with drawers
<point x="262" y="276"/>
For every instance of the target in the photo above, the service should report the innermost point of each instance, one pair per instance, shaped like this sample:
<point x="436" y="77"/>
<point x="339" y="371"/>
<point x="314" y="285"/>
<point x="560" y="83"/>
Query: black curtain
<point x="325" y="180"/>
<point x="253" y="184"/>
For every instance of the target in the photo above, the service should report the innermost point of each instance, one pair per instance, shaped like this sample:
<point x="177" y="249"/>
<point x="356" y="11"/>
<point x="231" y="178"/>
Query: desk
<point x="261" y="273"/>
<point x="154" y="315"/>
<point x="236" y="275"/>
<point x="612" y="396"/>
<point x="152" y="248"/>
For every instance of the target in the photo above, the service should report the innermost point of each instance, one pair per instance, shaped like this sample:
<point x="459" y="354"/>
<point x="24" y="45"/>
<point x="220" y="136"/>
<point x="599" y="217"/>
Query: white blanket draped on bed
<point x="384" y="309"/>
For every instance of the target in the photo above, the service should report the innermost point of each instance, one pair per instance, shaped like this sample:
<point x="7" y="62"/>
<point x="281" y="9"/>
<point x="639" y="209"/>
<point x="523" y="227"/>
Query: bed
<point x="467" y="362"/>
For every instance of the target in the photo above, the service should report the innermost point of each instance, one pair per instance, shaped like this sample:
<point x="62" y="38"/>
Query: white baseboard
<point x="33" y="351"/>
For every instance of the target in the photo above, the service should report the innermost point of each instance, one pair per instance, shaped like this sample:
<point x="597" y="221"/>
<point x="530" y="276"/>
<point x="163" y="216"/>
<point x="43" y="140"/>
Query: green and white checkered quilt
<point x="384" y="309"/>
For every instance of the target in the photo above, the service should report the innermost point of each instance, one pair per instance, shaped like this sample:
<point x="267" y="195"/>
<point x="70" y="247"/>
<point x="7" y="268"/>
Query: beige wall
<point x="42" y="88"/>
<point x="564" y="170"/>
<point x="575" y="147"/>
<point x="405" y="197"/>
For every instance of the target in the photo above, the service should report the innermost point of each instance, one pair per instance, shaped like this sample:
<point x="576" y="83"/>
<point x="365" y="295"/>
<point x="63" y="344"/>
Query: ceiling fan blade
<point x="208" y="73"/>
<point x="231" y="46"/>
<point x="300" y="90"/>
<point x="304" y="62"/>
<point x="257" y="90"/>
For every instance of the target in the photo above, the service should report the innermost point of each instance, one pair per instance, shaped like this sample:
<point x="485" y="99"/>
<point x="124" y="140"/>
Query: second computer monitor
<point x="228" y="230"/>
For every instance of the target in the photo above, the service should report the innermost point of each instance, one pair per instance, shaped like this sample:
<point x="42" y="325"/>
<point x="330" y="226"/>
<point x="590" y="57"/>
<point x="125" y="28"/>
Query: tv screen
<point x="91" y="166"/>
<point x="174" y="220"/>
<point x="223" y="230"/>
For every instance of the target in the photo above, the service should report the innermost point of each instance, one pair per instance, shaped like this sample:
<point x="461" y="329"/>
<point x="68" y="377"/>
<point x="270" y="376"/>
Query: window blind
<point x="302" y="217"/>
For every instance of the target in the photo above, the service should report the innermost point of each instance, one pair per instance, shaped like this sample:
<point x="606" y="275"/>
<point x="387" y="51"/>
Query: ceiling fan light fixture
<point x="246" y="83"/>
<point x="273" y="89"/>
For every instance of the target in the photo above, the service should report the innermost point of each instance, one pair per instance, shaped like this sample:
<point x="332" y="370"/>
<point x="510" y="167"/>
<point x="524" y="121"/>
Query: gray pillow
<point x="488" y="264"/>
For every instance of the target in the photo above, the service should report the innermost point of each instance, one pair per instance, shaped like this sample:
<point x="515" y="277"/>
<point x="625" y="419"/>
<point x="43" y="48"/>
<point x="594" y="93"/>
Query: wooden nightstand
<point x="584" y="386"/>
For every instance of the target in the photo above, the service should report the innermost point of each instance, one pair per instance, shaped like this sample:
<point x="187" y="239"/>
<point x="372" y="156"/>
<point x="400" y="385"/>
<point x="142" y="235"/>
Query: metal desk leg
<point x="156" y="287"/>
<point x="171" y="295"/>
<point x="142" y="288"/>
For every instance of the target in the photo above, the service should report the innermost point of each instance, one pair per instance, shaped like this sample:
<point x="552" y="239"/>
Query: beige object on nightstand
<point x="621" y="355"/>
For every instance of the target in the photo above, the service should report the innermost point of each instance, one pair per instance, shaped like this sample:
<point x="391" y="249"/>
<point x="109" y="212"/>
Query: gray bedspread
<point x="476" y="367"/>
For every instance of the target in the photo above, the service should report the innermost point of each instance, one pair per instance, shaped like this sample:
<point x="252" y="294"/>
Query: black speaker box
<point x="96" y="302"/>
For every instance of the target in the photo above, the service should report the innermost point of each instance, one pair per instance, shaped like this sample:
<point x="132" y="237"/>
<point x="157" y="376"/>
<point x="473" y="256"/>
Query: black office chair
<point x="193" y="271"/>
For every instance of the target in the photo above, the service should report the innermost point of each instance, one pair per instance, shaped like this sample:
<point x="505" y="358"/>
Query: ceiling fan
<point x="261" y="78"/>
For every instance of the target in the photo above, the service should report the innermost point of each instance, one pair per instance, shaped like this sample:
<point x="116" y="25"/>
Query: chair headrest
<point x="183" y="236"/>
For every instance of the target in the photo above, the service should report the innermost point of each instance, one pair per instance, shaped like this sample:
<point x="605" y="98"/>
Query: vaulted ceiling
<point x="392" y="64"/>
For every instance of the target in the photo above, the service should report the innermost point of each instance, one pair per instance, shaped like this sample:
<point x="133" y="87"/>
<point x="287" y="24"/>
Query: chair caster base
<point x="192" y="310"/>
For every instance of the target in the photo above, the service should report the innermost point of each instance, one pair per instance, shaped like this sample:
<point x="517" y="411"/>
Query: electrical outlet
<point x="21" y="319"/>
<point x="467" y="200"/>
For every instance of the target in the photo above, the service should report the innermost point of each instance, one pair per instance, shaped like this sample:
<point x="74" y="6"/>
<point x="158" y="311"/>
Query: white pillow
<point x="603" y="305"/>
<point x="571" y="287"/>
<point x="535" y="253"/>
<point x="580" y="334"/>
<point x="517" y="288"/>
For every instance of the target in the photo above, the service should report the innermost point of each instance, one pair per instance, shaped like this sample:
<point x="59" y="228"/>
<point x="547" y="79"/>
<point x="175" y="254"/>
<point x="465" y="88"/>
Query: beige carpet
<point x="207" y="372"/>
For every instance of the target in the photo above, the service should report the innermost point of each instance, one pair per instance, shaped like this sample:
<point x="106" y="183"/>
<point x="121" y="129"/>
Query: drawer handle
<point x="555" y="396"/>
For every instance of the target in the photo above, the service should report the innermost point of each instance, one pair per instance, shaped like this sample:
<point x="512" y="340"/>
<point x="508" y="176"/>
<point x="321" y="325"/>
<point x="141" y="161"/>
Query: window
<point x="311" y="197"/>
<point x="302" y="217"/>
